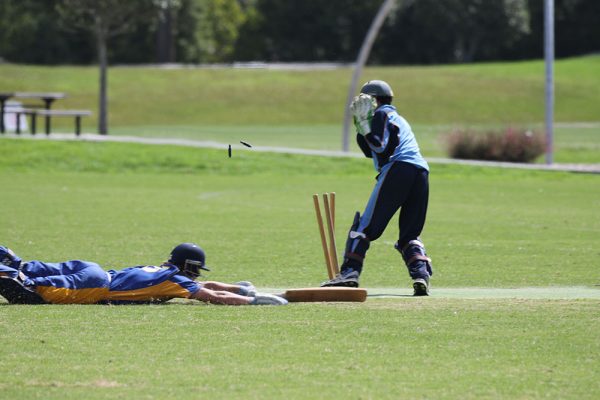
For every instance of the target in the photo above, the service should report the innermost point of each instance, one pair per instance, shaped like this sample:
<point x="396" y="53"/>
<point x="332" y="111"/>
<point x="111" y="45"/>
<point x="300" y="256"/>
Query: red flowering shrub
<point x="512" y="145"/>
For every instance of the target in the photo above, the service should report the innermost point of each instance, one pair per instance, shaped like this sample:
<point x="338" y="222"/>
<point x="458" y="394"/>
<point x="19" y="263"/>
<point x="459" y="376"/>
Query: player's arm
<point x="364" y="147"/>
<point x="379" y="141"/>
<point x="220" y="297"/>
<point x="233" y="299"/>
<point x="376" y="139"/>
<point x="208" y="292"/>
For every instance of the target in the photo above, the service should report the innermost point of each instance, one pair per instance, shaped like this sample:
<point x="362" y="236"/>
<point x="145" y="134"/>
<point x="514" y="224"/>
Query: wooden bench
<point x="77" y="114"/>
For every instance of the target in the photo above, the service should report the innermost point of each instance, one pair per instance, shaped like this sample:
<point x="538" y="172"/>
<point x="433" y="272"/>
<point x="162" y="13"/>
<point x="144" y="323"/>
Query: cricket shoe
<point x="9" y="259"/>
<point x="344" y="279"/>
<point x="421" y="287"/>
<point x="13" y="290"/>
<point x="265" y="299"/>
<point x="247" y="288"/>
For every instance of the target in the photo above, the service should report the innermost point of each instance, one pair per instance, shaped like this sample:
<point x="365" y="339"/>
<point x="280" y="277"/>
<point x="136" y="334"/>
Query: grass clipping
<point x="511" y="145"/>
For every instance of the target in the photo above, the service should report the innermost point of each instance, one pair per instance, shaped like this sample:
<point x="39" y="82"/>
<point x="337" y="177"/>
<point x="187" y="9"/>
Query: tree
<point x="577" y="27"/>
<point x="431" y="31"/>
<point x="208" y="30"/>
<point x="29" y="33"/>
<point x="305" y="30"/>
<point x="200" y="31"/>
<point x="218" y="31"/>
<point x="106" y="19"/>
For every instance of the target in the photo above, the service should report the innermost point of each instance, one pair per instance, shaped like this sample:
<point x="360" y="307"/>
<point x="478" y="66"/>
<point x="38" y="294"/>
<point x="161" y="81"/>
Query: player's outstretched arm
<point x="244" y="288"/>
<point x="220" y="297"/>
<point x="229" y="298"/>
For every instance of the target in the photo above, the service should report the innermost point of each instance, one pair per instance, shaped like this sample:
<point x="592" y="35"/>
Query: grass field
<point x="127" y="204"/>
<point x="305" y="108"/>
<point x="488" y="230"/>
<point x="383" y="349"/>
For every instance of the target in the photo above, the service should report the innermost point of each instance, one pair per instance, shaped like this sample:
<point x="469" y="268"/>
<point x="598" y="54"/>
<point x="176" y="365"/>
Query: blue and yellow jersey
<point x="85" y="282"/>
<point x="149" y="283"/>
<point x="70" y="282"/>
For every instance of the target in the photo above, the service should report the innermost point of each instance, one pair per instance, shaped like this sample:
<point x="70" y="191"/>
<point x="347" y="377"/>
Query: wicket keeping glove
<point x="362" y="109"/>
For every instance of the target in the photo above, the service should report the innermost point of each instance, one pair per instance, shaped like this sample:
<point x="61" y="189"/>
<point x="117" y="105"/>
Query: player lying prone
<point x="84" y="282"/>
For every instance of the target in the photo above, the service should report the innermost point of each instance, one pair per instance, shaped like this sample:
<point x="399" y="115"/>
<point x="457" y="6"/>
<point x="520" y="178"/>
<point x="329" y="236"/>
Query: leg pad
<point x="416" y="259"/>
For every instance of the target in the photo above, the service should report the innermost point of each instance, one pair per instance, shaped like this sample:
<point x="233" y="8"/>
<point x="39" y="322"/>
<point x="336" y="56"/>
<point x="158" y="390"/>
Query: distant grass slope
<point x="490" y="93"/>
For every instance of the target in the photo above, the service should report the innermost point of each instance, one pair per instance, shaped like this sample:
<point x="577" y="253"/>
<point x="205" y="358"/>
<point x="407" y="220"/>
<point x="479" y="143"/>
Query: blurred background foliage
<point x="223" y="31"/>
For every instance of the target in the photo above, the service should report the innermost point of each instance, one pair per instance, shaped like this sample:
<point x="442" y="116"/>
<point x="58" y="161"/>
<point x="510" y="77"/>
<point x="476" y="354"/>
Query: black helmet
<point x="189" y="258"/>
<point x="377" y="89"/>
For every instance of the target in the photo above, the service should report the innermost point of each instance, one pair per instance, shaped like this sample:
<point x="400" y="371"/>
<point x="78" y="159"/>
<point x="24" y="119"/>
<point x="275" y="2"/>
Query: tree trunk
<point x="102" y="60"/>
<point x="165" y="39"/>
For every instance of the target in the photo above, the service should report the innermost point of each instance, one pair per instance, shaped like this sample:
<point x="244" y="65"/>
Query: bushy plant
<point x="512" y="145"/>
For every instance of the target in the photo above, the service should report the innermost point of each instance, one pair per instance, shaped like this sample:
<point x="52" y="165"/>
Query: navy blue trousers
<point x="401" y="186"/>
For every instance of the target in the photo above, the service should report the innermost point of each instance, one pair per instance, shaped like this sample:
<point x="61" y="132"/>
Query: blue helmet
<point x="189" y="258"/>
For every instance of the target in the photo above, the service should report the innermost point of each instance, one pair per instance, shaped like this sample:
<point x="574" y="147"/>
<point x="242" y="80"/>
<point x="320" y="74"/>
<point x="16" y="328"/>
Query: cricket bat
<point x="321" y="294"/>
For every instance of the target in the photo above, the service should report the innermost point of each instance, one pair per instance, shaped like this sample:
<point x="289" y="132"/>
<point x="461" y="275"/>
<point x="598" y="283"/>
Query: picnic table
<point x="47" y="97"/>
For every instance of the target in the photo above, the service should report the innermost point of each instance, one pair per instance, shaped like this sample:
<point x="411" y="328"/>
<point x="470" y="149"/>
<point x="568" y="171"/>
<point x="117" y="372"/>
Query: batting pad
<point x="325" y="294"/>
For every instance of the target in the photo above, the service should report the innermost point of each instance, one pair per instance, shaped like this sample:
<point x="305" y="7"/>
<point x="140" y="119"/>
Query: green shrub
<point x="512" y="145"/>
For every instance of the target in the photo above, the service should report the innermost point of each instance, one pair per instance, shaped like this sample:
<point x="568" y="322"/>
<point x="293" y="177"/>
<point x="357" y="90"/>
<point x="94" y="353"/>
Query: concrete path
<point x="582" y="168"/>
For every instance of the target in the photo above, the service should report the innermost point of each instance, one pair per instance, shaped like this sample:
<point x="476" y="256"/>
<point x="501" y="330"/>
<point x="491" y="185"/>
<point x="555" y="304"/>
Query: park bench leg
<point x="77" y="125"/>
<point x="33" y="120"/>
<point x="2" y="115"/>
<point x="47" y="124"/>
<point x="18" y="114"/>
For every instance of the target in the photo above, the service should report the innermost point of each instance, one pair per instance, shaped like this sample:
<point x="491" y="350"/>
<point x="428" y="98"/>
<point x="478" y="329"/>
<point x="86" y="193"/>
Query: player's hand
<point x="362" y="108"/>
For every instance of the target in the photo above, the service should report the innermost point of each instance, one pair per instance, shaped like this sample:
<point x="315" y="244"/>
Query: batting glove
<point x="362" y="109"/>
<point x="264" y="299"/>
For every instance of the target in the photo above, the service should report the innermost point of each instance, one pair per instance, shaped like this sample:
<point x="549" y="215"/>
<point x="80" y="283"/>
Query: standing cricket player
<point x="402" y="182"/>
